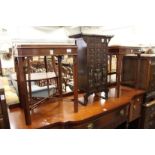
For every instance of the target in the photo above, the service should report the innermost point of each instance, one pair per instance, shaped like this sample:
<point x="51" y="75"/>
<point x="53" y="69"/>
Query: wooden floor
<point x="62" y="111"/>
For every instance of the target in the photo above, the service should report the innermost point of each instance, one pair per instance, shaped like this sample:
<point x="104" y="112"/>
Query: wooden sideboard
<point x="101" y="113"/>
<point x="23" y="53"/>
<point x="4" y="119"/>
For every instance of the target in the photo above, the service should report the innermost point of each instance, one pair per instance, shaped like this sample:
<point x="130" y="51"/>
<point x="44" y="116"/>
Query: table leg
<point x="18" y="81"/>
<point x="110" y="66"/>
<point x="75" y="76"/>
<point x="23" y="88"/>
<point x="46" y="67"/>
<point x="118" y="73"/>
<point x="60" y="75"/>
<point x="29" y="79"/>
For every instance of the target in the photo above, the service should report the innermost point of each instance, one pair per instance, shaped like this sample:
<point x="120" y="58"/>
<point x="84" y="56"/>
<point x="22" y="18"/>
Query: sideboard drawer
<point x="135" y="108"/>
<point x="108" y="120"/>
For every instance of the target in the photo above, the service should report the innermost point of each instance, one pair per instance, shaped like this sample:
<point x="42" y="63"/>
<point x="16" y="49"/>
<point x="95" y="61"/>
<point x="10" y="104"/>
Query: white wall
<point x="134" y="35"/>
<point x="39" y="35"/>
<point x="129" y="35"/>
<point x="7" y="63"/>
<point x="4" y="40"/>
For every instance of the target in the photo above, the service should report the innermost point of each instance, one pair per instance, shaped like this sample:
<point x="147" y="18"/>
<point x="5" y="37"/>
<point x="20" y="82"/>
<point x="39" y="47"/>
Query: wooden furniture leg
<point x="75" y="75"/>
<point x="60" y="75"/>
<point x="23" y="88"/>
<point x="110" y="66"/>
<point x="118" y="73"/>
<point x="46" y="67"/>
<point x="29" y="79"/>
<point x="18" y="79"/>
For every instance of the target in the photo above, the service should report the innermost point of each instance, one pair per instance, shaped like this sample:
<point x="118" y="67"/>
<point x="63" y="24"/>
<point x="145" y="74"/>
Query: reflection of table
<point x="23" y="53"/>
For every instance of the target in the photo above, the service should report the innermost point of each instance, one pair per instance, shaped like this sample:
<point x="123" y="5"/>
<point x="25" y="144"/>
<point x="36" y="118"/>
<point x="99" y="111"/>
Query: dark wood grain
<point x="92" y="63"/>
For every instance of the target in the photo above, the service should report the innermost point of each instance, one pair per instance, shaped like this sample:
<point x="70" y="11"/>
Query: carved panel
<point x="92" y="54"/>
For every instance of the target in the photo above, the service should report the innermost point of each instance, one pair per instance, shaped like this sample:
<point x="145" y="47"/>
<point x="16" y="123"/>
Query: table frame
<point x="21" y="52"/>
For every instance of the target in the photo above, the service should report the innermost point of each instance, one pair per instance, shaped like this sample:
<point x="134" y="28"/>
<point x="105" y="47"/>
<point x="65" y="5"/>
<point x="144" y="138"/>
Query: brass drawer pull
<point x="138" y="99"/>
<point x="150" y="123"/>
<point x="134" y="107"/>
<point x="122" y="112"/>
<point x="152" y="115"/>
<point x="90" y="126"/>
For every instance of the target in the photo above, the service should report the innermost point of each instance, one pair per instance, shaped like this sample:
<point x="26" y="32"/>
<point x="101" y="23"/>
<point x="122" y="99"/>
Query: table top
<point x="44" y="50"/>
<point x="37" y="76"/>
<point x="39" y="46"/>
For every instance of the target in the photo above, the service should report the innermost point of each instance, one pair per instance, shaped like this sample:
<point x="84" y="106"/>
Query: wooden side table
<point x="22" y="53"/>
<point x="119" y="52"/>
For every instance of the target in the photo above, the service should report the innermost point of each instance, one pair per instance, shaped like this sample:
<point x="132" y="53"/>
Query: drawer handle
<point x="152" y="116"/>
<point x="138" y="99"/>
<point x="150" y="123"/>
<point x="134" y="107"/>
<point x="90" y="126"/>
<point x="122" y="112"/>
